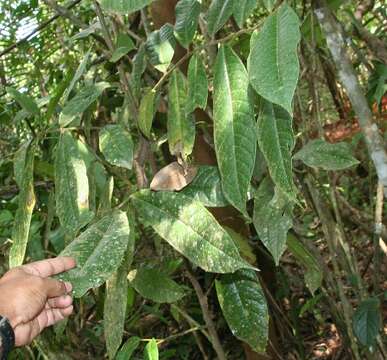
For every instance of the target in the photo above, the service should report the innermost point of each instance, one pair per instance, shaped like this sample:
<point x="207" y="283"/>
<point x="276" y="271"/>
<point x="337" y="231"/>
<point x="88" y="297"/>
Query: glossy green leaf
<point x="128" y="348"/>
<point x="276" y="141"/>
<point x="98" y="252"/>
<point x="114" y="313"/>
<point x="273" y="62"/>
<point x="71" y="185"/>
<point x="116" y="145"/>
<point x="25" y="101"/>
<point x="26" y="204"/>
<point x="218" y="13"/>
<point x="152" y="284"/>
<point x="234" y="127"/>
<point x="272" y="219"/>
<point x="181" y="127"/>
<point x="124" y="6"/>
<point x="160" y="47"/>
<point x="78" y="73"/>
<point x="147" y="112"/>
<point x="190" y="228"/>
<point x="321" y="154"/>
<point x="80" y="102"/>
<point x="244" y="307"/>
<point x="187" y="17"/>
<point x="151" y="352"/>
<point x="367" y="321"/>
<point x="313" y="275"/>
<point x="206" y="187"/>
<point x="242" y="10"/>
<point x="123" y="46"/>
<point x="197" y="85"/>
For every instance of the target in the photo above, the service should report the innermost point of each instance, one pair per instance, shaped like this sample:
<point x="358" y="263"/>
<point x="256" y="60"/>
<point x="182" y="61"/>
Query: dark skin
<point x="32" y="300"/>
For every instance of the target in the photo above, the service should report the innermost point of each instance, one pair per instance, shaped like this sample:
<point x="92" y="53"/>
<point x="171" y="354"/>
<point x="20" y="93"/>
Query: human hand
<point x="32" y="301"/>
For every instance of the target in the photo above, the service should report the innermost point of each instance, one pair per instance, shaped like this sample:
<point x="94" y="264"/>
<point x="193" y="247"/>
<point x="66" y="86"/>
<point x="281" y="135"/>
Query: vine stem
<point x="214" y="337"/>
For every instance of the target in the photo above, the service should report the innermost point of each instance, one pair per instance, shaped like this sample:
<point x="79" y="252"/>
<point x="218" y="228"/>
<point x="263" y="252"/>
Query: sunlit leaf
<point x="98" y="252"/>
<point x="151" y="352"/>
<point x="187" y="16"/>
<point x="71" y="185"/>
<point x="234" y="127"/>
<point x="197" y="85"/>
<point x="321" y="154"/>
<point x="147" y="112"/>
<point x="244" y="307"/>
<point x="26" y="204"/>
<point x="181" y="127"/>
<point x="155" y="285"/>
<point x="273" y="62"/>
<point x="115" y="143"/>
<point x="190" y="228"/>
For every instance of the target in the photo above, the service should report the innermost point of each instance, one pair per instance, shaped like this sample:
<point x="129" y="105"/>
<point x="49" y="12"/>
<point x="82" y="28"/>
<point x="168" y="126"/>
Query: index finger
<point x="50" y="267"/>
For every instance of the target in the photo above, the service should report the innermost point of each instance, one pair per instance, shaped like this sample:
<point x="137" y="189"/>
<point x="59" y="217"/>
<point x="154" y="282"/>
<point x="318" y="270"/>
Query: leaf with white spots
<point x="235" y="134"/>
<point x="98" y="252"/>
<point x="197" y="85"/>
<point x="115" y="143"/>
<point x="244" y="307"/>
<point x="187" y="17"/>
<point x="26" y="203"/>
<point x="189" y="228"/>
<point x="154" y="285"/>
<point x="71" y="185"/>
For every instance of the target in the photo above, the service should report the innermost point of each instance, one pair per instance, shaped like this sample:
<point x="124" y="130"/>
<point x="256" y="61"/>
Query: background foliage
<point x="216" y="168"/>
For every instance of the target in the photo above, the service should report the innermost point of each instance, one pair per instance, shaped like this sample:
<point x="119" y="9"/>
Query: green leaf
<point x="160" y="47"/>
<point x="154" y="285"/>
<point x="197" y="85"/>
<point x="71" y="185"/>
<point x="19" y="162"/>
<point x="151" y="352"/>
<point x="187" y="17"/>
<point x="272" y="219"/>
<point x="123" y="46"/>
<point x="128" y="348"/>
<point x="276" y="141"/>
<point x="181" y="127"/>
<point x="273" y="62"/>
<point x="106" y="239"/>
<point x="190" y="228"/>
<point x="218" y="13"/>
<point x="78" y="73"/>
<point x="321" y="154"/>
<point x="116" y="145"/>
<point x="242" y="10"/>
<point x="244" y="307"/>
<point x="114" y="313"/>
<point x="124" y="6"/>
<point x="234" y="127"/>
<point x="25" y="101"/>
<point x="80" y="102"/>
<point x="26" y="204"/>
<point x="268" y="4"/>
<point x="206" y="187"/>
<point x="139" y="66"/>
<point x="147" y="112"/>
<point x="367" y="321"/>
<point x="313" y="275"/>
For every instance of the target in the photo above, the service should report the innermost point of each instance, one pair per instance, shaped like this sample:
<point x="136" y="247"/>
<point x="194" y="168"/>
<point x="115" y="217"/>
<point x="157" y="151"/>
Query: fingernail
<point x="69" y="287"/>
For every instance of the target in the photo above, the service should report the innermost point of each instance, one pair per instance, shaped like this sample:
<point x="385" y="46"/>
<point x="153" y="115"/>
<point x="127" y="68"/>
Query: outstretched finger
<point x="59" y="302"/>
<point x="55" y="288"/>
<point x="50" y="267"/>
